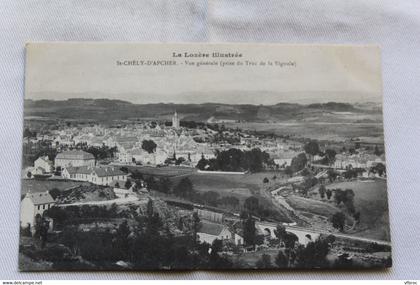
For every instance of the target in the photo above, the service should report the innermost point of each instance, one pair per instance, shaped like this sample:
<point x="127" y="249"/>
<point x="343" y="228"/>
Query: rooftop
<point x="75" y="154"/>
<point x="39" y="198"/>
<point x="211" y="228"/>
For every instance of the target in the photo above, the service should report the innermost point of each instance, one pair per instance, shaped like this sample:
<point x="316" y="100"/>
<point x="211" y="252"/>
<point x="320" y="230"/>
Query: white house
<point x="100" y="175"/>
<point x="209" y="232"/>
<point x="119" y="187"/>
<point x="43" y="165"/>
<point x="34" y="204"/>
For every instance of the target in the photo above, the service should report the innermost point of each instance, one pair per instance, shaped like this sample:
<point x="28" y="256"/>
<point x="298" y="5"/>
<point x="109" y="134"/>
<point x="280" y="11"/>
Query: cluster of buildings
<point x="362" y="160"/>
<point x="172" y="142"/>
<point x="81" y="166"/>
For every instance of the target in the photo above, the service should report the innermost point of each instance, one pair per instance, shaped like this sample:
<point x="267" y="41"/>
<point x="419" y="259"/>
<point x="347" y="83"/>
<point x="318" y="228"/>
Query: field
<point x="239" y="186"/>
<point x="372" y="202"/>
<point x="167" y="171"/>
<point x="333" y="131"/>
<point x="312" y="206"/>
<point x="46" y="185"/>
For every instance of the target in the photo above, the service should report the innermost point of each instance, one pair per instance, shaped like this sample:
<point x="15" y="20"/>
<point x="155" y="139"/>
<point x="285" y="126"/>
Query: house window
<point x="39" y="207"/>
<point x="43" y="207"/>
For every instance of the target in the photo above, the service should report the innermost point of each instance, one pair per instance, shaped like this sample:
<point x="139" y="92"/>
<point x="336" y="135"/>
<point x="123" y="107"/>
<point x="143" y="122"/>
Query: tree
<point x="338" y="221"/>
<point x="349" y="200"/>
<point x="251" y="204"/>
<point x="122" y="244"/>
<point x="127" y="184"/>
<point x="249" y="231"/>
<point x="313" y="255"/>
<point x="149" y="146"/>
<point x="29" y="174"/>
<point x="264" y="262"/>
<point x="380" y="168"/>
<point x="377" y="152"/>
<point x="282" y="261"/>
<point x="356" y="217"/>
<point x="332" y="175"/>
<point x="330" y="155"/>
<point x="329" y="194"/>
<point x="149" y="209"/>
<point x="280" y="232"/>
<point x="290" y="240"/>
<point x="164" y="185"/>
<point x="196" y="226"/>
<point x="322" y="191"/>
<point x="265" y="180"/>
<point x="288" y="170"/>
<point x="202" y="163"/>
<point x="28" y="134"/>
<point x="179" y="160"/>
<point x="184" y="188"/>
<point x="298" y="162"/>
<point x="312" y="148"/>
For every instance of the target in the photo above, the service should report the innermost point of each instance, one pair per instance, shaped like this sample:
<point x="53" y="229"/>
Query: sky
<point x="312" y="73"/>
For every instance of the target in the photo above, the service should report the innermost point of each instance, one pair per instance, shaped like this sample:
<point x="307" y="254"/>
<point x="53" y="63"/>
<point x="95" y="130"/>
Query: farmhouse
<point x="209" y="232"/>
<point x="100" y="175"/>
<point x="32" y="205"/>
<point x="74" y="158"/>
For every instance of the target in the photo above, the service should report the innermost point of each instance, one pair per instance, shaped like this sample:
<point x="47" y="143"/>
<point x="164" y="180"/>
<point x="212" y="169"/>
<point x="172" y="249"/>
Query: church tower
<point x="175" y="121"/>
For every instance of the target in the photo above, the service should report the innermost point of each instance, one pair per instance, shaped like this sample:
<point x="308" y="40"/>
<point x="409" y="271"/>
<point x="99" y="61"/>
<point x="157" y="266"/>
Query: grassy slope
<point x="371" y="200"/>
<point x="46" y="185"/>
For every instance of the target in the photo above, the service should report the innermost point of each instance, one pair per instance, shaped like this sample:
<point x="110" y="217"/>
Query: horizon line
<point x="203" y="103"/>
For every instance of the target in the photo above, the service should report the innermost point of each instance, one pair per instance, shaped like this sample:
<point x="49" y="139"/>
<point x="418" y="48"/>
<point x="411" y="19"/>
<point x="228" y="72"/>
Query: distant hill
<point x="107" y="109"/>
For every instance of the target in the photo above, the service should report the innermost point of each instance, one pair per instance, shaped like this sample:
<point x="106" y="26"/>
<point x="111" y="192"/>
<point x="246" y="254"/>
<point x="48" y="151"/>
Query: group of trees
<point x="379" y="168"/>
<point x="75" y="214"/>
<point x="234" y="159"/>
<point x="149" y="146"/>
<point x="146" y="243"/>
<point x="298" y="163"/>
<point x="99" y="152"/>
<point x="312" y="148"/>
<point x="295" y="255"/>
<point x="324" y="192"/>
<point x="256" y="207"/>
<point x="346" y="197"/>
<point x="185" y="189"/>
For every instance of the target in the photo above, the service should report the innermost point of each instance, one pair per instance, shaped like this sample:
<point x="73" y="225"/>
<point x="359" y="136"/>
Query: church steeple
<point x="175" y="120"/>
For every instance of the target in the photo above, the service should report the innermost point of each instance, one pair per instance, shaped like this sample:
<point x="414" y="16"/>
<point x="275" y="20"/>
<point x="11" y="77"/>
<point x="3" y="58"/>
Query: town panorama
<point x="112" y="185"/>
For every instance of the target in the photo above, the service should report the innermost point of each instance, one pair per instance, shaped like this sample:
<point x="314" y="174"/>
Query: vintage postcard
<point x="203" y="156"/>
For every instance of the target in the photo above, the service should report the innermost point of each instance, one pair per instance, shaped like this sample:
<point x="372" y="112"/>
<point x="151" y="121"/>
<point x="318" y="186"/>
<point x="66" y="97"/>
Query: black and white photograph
<point x="203" y="157"/>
